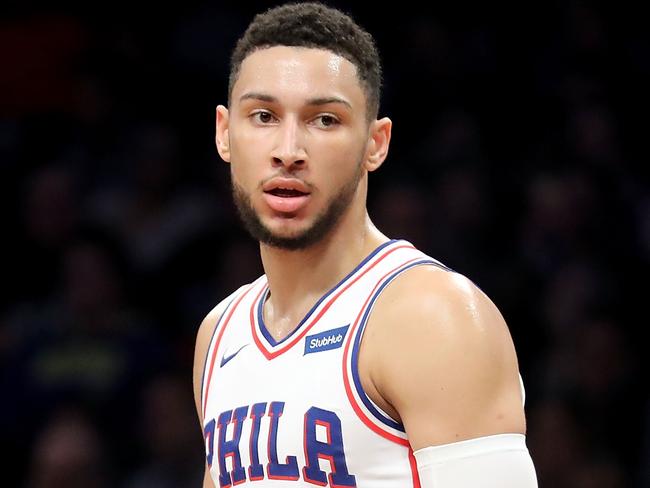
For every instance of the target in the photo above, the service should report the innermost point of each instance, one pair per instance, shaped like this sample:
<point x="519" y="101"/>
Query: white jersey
<point x="293" y="413"/>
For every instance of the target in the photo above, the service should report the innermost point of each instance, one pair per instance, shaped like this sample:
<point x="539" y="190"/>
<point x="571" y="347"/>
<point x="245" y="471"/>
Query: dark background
<point x="517" y="159"/>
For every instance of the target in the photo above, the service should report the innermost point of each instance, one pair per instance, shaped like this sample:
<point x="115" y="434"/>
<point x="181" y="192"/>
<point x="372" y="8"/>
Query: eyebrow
<point x="317" y="101"/>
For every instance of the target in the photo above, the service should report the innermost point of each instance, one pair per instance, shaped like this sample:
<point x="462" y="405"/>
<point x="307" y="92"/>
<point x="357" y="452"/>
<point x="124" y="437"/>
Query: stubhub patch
<point x="330" y="339"/>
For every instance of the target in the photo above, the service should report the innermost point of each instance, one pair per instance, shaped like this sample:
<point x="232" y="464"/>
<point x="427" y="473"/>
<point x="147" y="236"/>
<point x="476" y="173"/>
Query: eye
<point x="325" y="121"/>
<point x="263" y="117"/>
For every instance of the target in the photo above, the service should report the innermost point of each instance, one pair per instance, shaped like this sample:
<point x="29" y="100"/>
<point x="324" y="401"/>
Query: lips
<point x="286" y="195"/>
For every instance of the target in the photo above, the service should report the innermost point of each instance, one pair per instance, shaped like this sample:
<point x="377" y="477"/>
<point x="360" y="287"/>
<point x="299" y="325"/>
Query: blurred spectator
<point x="69" y="452"/>
<point x="556" y="442"/>
<point x="84" y="345"/>
<point x="50" y="217"/>
<point x="169" y="436"/>
<point x="152" y="210"/>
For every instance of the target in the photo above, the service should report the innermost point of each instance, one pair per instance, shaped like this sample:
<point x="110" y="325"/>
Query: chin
<point x="288" y="232"/>
<point x="286" y="225"/>
<point x="290" y="237"/>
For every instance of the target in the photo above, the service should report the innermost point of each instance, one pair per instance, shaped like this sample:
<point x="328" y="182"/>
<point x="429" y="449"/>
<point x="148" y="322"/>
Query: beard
<point x="322" y="225"/>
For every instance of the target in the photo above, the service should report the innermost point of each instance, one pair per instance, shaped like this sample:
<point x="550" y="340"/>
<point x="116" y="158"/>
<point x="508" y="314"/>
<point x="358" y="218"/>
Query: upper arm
<point x="203" y="340"/>
<point x="439" y="352"/>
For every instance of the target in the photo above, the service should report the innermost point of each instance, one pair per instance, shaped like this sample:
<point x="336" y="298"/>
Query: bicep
<point x="203" y="339"/>
<point x="202" y="344"/>
<point x="448" y="365"/>
<point x="200" y="352"/>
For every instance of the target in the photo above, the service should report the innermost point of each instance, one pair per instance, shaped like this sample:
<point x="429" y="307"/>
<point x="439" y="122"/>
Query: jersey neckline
<point x="267" y="343"/>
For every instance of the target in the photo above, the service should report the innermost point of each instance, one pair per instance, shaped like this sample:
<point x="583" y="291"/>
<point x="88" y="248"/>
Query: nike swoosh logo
<point x="225" y="358"/>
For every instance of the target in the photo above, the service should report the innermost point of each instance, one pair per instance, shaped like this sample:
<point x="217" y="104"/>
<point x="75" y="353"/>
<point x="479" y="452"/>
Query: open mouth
<point x="286" y="195"/>
<point x="286" y="192"/>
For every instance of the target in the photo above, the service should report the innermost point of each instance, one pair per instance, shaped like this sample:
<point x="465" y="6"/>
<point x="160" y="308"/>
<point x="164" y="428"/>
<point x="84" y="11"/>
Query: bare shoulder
<point x="203" y="340"/>
<point x="443" y="358"/>
<point x="441" y="301"/>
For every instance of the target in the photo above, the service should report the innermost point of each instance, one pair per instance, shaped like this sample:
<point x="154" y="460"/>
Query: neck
<point x="298" y="278"/>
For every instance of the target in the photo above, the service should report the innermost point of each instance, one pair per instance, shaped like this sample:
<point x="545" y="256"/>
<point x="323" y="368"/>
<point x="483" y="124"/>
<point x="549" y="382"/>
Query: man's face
<point x="297" y="136"/>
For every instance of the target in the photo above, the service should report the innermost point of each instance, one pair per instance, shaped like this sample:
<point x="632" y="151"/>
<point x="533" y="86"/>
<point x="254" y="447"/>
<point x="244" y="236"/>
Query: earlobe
<point x="222" y="137"/>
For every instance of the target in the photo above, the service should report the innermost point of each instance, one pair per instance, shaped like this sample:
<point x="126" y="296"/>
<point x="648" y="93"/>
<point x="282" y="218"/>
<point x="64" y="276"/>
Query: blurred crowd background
<point x="517" y="159"/>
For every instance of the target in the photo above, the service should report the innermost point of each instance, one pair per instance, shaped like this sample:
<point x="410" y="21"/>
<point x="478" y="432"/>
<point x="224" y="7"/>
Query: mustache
<point x="288" y="175"/>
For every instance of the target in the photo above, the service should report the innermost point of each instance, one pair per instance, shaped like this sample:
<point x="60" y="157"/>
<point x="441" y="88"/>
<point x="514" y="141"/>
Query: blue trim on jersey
<point x="260" y="305"/>
<point x="207" y="353"/>
<point x="357" y="341"/>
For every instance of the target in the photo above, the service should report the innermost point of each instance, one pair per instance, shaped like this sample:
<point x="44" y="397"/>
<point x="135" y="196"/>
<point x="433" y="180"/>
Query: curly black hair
<point x="314" y="25"/>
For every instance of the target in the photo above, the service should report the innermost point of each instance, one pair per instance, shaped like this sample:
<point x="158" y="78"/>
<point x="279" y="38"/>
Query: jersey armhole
<point x="211" y="344"/>
<point x="366" y="409"/>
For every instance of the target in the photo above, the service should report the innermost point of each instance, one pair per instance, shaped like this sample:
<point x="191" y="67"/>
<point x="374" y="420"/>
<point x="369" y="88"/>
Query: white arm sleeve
<point x="496" y="461"/>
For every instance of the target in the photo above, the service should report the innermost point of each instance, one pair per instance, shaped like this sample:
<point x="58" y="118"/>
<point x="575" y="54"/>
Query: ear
<point x="379" y="140"/>
<point x="222" y="138"/>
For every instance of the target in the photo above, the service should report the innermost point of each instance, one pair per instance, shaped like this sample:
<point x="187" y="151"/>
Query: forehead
<point x="299" y="73"/>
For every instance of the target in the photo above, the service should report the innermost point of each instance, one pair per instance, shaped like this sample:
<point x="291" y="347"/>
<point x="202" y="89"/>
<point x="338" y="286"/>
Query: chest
<point x="295" y="410"/>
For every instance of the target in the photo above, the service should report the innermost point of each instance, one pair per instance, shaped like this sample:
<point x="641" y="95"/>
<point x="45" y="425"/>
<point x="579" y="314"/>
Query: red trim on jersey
<point x="346" y="380"/>
<point x="273" y="354"/>
<point x="319" y="455"/>
<point x="256" y="447"/>
<point x="268" y="452"/>
<point x="304" y="448"/>
<point x="414" y="469"/>
<point x="256" y="339"/>
<point x="216" y="346"/>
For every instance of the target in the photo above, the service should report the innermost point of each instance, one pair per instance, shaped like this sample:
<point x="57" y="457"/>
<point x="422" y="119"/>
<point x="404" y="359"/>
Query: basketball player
<point x="356" y="360"/>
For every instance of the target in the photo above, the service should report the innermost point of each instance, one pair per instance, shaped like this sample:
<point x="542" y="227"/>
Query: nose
<point x="289" y="147"/>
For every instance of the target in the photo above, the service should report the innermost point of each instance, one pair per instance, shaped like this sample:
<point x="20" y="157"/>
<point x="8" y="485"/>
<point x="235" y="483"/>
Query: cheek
<point x="247" y="159"/>
<point x="342" y="156"/>
<point x="241" y="174"/>
<point x="248" y="137"/>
